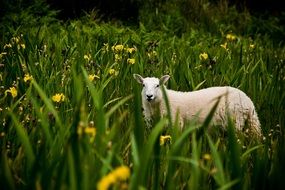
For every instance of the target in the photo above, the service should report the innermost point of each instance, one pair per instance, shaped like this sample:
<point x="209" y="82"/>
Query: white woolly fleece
<point x="197" y="104"/>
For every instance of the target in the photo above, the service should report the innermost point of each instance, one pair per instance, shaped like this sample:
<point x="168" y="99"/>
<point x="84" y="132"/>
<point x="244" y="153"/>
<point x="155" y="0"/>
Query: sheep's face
<point x="151" y="87"/>
<point x="151" y="90"/>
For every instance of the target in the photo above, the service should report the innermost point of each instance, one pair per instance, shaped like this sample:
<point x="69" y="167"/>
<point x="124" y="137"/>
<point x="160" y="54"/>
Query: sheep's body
<point x="196" y="105"/>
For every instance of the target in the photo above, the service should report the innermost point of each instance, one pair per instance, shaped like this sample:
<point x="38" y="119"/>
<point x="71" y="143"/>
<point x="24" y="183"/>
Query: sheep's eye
<point x="143" y="85"/>
<point x="157" y="85"/>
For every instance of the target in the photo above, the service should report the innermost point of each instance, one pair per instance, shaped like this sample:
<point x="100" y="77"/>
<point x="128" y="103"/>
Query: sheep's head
<point x="151" y="87"/>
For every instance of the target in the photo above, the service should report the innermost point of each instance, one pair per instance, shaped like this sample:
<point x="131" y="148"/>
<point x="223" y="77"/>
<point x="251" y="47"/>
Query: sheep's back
<point x="200" y="102"/>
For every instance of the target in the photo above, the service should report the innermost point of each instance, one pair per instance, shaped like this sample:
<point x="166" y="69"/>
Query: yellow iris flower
<point x="59" y="97"/>
<point x="13" y="91"/>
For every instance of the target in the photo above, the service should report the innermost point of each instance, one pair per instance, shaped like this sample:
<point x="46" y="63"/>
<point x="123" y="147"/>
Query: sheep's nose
<point x="149" y="97"/>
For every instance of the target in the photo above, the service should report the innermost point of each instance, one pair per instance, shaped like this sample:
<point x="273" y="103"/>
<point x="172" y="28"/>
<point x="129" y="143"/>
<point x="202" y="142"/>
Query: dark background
<point x="128" y="10"/>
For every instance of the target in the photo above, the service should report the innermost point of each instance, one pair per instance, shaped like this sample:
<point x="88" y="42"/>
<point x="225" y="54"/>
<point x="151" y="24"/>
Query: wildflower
<point x="131" y="50"/>
<point x="120" y="174"/>
<point x="173" y="57"/>
<point x="118" y="57"/>
<point x="203" y="56"/>
<point x="152" y="54"/>
<point x="23" y="46"/>
<point x="106" y="182"/>
<point x="164" y="140"/>
<point x="198" y="67"/>
<point x="231" y="37"/>
<point x="13" y="91"/>
<point x="87" y="57"/>
<point x="90" y="131"/>
<point x="131" y="61"/>
<point x="106" y="47"/>
<point x="15" y="39"/>
<point x="224" y="46"/>
<point x="59" y="97"/>
<point x="213" y="171"/>
<point x="7" y="46"/>
<point x="113" y="72"/>
<point x="251" y="46"/>
<point x="28" y="77"/>
<point x="2" y="134"/>
<point x="2" y="54"/>
<point x="207" y="157"/>
<point x="117" y="48"/>
<point x="92" y="77"/>
<point x="44" y="48"/>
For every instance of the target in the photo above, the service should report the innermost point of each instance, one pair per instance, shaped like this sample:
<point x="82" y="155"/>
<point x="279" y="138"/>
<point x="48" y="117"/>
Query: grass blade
<point x="24" y="138"/>
<point x="219" y="177"/>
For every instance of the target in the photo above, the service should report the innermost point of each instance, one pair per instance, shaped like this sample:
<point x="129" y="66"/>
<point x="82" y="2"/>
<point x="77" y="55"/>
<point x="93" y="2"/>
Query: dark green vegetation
<point x="93" y="125"/>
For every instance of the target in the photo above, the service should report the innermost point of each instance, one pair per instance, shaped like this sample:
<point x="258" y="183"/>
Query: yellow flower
<point x="44" y="48"/>
<point x="16" y="39"/>
<point x="118" y="48"/>
<point x="131" y="61"/>
<point x="213" y="171"/>
<point x="90" y="131"/>
<point x="118" y="57"/>
<point x="120" y="174"/>
<point x="7" y="46"/>
<point x="106" y="47"/>
<point x="231" y="37"/>
<point x="87" y="57"/>
<point x="131" y="50"/>
<point x="224" y="46"/>
<point x="251" y="46"/>
<point x="58" y="97"/>
<point x="106" y="182"/>
<point x="164" y="140"/>
<point x="113" y="72"/>
<point x="152" y="54"/>
<point x="207" y="157"/>
<point x="23" y="46"/>
<point x="28" y="77"/>
<point x="2" y="54"/>
<point x="92" y="77"/>
<point x="13" y="91"/>
<point x="203" y="56"/>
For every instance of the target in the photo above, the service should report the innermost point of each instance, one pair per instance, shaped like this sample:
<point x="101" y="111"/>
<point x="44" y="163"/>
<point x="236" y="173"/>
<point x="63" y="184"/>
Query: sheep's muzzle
<point x="149" y="97"/>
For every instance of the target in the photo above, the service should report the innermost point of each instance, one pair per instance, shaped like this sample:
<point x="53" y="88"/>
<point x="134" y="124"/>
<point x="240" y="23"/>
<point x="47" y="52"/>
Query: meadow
<point x="70" y="109"/>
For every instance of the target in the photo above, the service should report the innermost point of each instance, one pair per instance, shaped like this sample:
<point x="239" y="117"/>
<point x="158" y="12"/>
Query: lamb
<point x="196" y="105"/>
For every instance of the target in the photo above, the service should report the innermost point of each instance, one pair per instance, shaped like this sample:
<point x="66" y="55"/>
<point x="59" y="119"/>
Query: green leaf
<point x="219" y="177"/>
<point x="24" y="138"/>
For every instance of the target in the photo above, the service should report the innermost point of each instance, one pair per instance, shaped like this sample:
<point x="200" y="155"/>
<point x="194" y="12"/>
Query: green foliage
<point x="70" y="109"/>
<point x="177" y="17"/>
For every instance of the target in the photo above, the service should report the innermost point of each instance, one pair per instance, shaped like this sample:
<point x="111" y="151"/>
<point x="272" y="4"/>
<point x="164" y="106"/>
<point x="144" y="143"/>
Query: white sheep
<point x="196" y="105"/>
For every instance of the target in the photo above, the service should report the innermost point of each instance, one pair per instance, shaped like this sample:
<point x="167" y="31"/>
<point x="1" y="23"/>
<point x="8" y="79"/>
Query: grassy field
<point x="70" y="109"/>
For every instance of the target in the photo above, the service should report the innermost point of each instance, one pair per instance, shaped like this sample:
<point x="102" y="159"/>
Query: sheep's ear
<point x="138" y="78"/>
<point x="164" y="79"/>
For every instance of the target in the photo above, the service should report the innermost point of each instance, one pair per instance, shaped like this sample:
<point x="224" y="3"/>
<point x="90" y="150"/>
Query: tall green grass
<point x="75" y="143"/>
